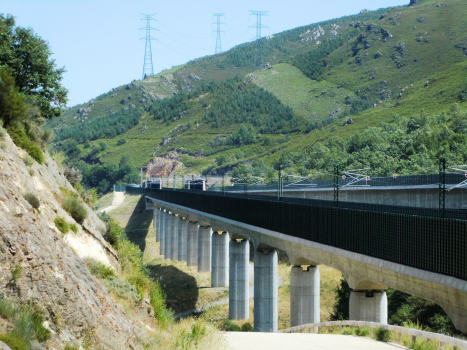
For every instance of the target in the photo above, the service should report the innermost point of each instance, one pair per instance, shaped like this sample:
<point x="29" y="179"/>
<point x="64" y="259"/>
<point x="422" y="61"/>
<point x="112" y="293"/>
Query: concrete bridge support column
<point x="239" y="288"/>
<point x="168" y="236"/>
<point x="158" y="224"/>
<point x="220" y="259"/>
<point x="266" y="280"/>
<point x="154" y="217"/>
<point x="204" y="248"/>
<point x="369" y="306"/>
<point x="164" y="216"/>
<point x="174" y="241"/>
<point x="182" y="238"/>
<point x="304" y="295"/>
<point x="192" y="244"/>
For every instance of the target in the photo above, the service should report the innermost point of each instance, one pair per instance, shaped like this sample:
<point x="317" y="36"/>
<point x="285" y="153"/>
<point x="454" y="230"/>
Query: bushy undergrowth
<point x="75" y="208"/>
<point x="61" y="224"/>
<point x="135" y="272"/>
<point x="229" y="326"/>
<point x="382" y="334"/>
<point x="247" y="327"/>
<point x="33" y="200"/>
<point x="74" y="228"/>
<point x="123" y="289"/>
<point x="99" y="270"/>
<point x="20" y="138"/>
<point x="28" y="326"/>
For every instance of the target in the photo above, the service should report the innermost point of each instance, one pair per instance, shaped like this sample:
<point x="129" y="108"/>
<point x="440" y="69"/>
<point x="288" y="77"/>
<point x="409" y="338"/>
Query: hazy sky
<point x="99" y="43"/>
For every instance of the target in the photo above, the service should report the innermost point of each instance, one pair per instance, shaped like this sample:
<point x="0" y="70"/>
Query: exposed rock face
<point x="54" y="276"/>
<point x="159" y="167"/>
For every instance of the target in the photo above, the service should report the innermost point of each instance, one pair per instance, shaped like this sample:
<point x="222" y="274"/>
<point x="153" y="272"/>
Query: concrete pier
<point x="265" y="310"/>
<point x="220" y="259"/>
<point x="182" y="238"/>
<point x="304" y="295"/>
<point x="158" y="224"/>
<point x="168" y="236"/>
<point x="164" y="215"/>
<point x="204" y="248"/>
<point x="239" y="288"/>
<point x="192" y="244"/>
<point x="174" y="240"/>
<point x="369" y="306"/>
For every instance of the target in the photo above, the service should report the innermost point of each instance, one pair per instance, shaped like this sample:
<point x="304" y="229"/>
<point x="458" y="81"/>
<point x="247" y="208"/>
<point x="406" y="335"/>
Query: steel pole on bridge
<point x="280" y="185"/>
<point x="442" y="187"/>
<point x="336" y="186"/>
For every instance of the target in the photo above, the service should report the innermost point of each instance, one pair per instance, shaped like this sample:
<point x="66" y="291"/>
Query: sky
<point x="98" y="42"/>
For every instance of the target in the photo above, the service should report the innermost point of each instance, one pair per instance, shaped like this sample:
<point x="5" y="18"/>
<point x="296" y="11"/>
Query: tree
<point x="26" y="56"/>
<point x="12" y="106"/>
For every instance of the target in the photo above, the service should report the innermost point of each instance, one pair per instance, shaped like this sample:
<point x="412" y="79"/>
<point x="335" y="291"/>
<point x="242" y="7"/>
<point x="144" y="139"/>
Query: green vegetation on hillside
<point x="106" y="127"/>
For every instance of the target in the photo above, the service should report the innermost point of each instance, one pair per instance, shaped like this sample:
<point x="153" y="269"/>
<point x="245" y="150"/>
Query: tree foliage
<point x="26" y="56"/>
<point x="102" y="127"/>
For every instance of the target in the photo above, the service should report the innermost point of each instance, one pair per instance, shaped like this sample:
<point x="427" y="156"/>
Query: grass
<point x="303" y="95"/>
<point x="387" y="336"/>
<point x="27" y="325"/>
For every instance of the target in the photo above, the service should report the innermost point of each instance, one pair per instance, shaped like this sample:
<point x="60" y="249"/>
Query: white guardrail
<point x="443" y="339"/>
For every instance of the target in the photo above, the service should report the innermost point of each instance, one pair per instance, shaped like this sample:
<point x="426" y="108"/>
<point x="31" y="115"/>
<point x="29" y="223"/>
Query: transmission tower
<point x="218" y="30"/>
<point x="147" y="66"/>
<point x="258" y="49"/>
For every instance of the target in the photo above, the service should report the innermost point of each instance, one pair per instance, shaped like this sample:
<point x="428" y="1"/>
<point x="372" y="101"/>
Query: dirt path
<point x="118" y="200"/>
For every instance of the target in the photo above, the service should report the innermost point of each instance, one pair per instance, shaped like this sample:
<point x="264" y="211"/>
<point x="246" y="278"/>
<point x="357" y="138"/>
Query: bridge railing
<point x="414" y="333"/>
<point x="428" y="243"/>
<point x="387" y="181"/>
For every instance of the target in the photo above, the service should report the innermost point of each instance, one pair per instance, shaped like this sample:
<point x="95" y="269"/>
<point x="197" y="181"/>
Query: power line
<point x="258" y="49"/>
<point x="218" y="30"/>
<point x="148" y="69"/>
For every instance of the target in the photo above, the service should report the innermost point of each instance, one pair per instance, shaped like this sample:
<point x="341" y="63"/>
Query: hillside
<point x="324" y="81"/>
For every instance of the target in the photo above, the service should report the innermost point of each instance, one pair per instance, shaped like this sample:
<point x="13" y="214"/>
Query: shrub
<point x="123" y="289"/>
<point x="121" y="142"/>
<point x="16" y="272"/>
<point x="363" y="331"/>
<point x="72" y="175"/>
<point x="20" y="138"/>
<point x="14" y="341"/>
<point x="7" y="309"/>
<point x="33" y="200"/>
<point x="71" y="347"/>
<point x="2" y="145"/>
<point x="247" y="327"/>
<point x="42" y="333"/>
<point x="75" y="209"/>
<point x="189" y="339"/>
<point x="61" y="224"/>
<point x="31" y="171"/>
<point x="99" y="270"/>
<point x="74" y="228"/>
<point x="28" y="160"/>
<point x="382" y="334"/>
<point x="2" y="134"/>
<point x="229" y="326"/>
<point x="28" y="326"/>
<point x="347" y="331"/>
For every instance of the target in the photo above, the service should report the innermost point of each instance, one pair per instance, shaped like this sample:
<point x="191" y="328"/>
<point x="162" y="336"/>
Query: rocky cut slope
<point x="41" y="266"/>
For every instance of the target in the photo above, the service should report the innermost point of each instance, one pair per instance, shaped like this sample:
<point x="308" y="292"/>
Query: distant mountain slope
<point x="370" y="67"/>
